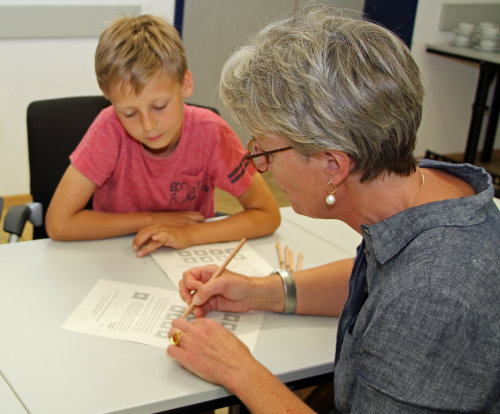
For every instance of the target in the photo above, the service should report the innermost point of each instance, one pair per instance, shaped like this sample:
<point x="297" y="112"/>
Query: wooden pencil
<point x="280" y="255"/>
<point x="299" y="261"/>
<point x="217" y="273"/>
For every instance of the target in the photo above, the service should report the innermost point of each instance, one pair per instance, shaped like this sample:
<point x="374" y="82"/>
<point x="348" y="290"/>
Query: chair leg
<point x="238" y="409"/>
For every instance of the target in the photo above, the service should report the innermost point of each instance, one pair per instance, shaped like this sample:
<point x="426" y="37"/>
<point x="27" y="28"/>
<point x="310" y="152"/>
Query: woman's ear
<point x="338" y="165"/>
<point x="187" y="84"/>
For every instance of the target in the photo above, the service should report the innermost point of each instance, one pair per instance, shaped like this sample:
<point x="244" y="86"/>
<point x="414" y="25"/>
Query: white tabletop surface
<point x="9" y="403"/>
<point x="466" y="52"/>
<point x="58" y="371"/>
<point x="335" y="232"/>
<point x="52" y="370"/>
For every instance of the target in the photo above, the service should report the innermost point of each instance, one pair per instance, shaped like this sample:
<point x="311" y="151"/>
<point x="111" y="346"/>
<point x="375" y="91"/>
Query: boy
<point x="150" y="161"/>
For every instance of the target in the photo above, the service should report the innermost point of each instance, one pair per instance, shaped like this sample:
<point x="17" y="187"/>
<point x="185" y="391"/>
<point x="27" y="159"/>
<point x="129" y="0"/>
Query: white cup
<point x="489" y="31"/>
<point x="465" y="28"/>
<point x="487" y="25"/>
<point x="487" y="43"/>
<point x="461" y="40"/>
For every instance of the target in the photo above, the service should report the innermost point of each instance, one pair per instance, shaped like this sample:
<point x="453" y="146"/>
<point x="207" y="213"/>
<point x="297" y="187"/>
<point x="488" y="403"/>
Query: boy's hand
<point x="169" y="231"/>
<point x="152" y="237"/>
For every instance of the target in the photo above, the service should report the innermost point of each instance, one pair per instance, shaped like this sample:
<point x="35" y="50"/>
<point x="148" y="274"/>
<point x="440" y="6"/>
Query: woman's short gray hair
<point x="329" y="82"/>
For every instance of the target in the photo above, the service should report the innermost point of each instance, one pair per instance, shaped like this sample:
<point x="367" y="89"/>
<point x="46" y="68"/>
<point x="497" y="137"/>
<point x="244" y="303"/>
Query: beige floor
<point x="226" y="203"/>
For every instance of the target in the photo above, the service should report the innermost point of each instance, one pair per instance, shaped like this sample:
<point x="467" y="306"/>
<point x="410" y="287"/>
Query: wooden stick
<point x="280" y="255"/>
<point x="217" y="273"/>
<point x="299" y="261"/>
<point x="290" y="260"/>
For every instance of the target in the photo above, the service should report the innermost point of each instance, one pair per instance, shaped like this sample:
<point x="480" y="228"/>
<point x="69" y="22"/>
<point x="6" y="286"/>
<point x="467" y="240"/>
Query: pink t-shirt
<point x="209" y="154"/>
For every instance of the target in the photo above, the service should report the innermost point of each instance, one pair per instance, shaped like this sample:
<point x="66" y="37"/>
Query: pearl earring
<point x="330" y="198"/>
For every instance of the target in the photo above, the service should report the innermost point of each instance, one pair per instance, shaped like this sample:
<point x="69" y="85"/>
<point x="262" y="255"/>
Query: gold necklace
<point x="420" y="189"/>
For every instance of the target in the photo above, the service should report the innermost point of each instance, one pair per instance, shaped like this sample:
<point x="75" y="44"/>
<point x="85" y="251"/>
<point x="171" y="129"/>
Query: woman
<point x="334" y="105"/>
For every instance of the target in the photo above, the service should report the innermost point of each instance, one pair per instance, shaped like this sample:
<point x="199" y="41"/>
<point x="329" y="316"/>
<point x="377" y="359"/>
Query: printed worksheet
<point x="145" y="314"/>
<point x="175" y="262"/>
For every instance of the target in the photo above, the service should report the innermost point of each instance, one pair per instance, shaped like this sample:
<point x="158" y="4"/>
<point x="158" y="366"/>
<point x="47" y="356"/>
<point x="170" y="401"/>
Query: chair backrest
<point x="55" y="127"/>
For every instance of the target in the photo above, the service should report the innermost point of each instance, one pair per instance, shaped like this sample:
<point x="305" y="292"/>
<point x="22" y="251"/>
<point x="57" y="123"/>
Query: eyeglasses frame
<point x="266" y="154"/>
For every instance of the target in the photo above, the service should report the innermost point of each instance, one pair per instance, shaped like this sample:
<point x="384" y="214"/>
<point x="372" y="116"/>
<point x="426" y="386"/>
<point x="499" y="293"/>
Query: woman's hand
<point x="230" y="292"/>
<point x="215" y="354"/>
<point x="210" y="351"/>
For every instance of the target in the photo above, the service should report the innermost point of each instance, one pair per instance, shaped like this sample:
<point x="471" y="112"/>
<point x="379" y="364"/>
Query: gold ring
<point x="175" y="339"/>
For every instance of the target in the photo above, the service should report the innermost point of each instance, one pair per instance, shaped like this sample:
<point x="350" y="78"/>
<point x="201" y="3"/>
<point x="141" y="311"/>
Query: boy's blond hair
<point x="132" y="50"/>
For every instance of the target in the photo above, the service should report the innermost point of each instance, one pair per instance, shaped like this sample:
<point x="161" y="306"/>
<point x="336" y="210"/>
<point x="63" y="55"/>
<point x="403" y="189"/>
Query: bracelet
<point x="290" y="291"/>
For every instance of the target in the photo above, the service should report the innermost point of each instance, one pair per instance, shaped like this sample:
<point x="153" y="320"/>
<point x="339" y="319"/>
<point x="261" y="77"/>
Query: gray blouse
<point x="420" y="331"/>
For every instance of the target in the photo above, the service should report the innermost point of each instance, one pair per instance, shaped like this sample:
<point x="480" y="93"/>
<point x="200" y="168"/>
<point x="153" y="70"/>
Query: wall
<point x="213" y="29"/>
<point x="450" y="85"/>
<point x="32" y="69"/>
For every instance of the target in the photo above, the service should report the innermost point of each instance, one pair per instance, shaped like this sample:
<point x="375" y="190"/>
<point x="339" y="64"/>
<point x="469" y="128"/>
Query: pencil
<point x="289" y="264"/>
<point x="299" y="261"/>
<point x="280" y="255"/>
<point x="217" y="273"/>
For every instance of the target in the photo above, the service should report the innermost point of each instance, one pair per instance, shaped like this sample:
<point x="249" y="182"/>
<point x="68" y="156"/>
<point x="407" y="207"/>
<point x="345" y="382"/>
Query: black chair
<point x="55" y="127"/>
<point x="17" y="216"/>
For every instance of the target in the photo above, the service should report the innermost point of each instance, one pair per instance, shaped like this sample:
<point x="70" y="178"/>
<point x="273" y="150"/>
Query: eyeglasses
<point x="260" y="159"/>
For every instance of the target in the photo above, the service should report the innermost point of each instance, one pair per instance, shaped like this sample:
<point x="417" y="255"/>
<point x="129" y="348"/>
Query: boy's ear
<point x="187" y="84"/>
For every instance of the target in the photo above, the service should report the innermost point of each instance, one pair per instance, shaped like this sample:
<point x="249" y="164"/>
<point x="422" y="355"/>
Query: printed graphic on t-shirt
<point x="182" y="192"/>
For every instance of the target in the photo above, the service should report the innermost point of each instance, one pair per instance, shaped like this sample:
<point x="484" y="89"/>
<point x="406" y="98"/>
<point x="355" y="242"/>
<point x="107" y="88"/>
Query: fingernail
<point x="196" y="301"/>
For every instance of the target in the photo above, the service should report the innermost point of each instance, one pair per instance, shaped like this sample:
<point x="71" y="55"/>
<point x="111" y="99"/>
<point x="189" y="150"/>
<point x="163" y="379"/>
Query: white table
<point x="335" y="232"/>
<point x="9" y="403"/>
<point x="55" y="371"/>
<point x="489" y="68"/>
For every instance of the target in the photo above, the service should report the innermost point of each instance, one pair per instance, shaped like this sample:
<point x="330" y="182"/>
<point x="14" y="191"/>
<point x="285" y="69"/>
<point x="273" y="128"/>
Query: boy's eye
<point x="160" y="107"/>
<point x="129" y="115"/>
